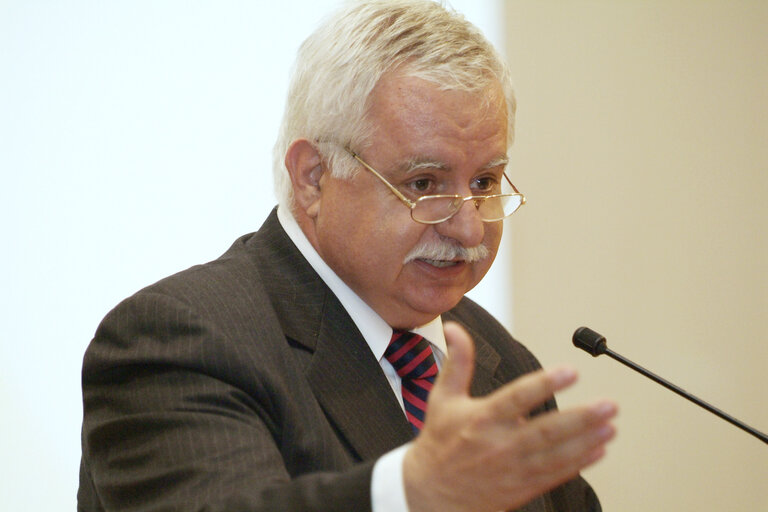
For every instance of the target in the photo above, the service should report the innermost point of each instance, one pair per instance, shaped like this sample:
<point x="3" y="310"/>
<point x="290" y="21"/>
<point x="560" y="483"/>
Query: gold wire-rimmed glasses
<point x="434" y="209"/>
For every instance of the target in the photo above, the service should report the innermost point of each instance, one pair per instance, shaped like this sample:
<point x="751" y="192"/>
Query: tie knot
<point x="411" y="356"/>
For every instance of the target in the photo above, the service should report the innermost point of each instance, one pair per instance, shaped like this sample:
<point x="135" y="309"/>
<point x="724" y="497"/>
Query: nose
<point x="466" y="226"/>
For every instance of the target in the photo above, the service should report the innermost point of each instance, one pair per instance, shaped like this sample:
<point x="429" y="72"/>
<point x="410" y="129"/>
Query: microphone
<point x="595" y="343"/>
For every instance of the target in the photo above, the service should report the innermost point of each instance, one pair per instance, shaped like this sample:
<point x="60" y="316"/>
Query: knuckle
<point x="549" y="433"/>
<point x="540" y="465"/>
<point x="520" y="400"/>
<point x="482" y="420"/>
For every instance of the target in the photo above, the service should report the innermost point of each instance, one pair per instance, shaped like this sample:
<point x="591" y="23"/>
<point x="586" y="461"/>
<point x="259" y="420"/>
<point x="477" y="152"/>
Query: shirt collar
<point x="375" y="330"/>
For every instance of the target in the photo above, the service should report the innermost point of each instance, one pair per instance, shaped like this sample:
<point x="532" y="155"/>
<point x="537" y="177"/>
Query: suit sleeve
<point x="172" y="423"/>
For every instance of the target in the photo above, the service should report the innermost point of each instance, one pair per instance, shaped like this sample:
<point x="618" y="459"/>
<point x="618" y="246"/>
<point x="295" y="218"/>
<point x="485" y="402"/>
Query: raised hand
<point x="483" y="454"/>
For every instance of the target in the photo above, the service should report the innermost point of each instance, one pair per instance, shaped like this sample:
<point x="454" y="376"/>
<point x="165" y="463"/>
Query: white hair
<point x="338" y="66"/>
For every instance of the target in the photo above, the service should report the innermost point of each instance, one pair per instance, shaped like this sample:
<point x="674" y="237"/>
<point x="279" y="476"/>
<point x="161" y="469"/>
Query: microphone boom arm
<point x="595" y="344"/>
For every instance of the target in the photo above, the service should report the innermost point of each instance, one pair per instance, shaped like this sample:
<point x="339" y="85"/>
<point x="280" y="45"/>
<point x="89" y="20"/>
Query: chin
<point x="432" y="305"/>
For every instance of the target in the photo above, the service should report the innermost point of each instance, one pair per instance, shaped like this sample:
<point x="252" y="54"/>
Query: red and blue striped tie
<point x="411" y="356"/>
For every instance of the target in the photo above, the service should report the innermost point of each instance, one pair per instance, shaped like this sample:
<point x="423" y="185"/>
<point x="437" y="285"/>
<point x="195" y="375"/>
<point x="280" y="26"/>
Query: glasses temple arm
<point x="399" y="195"/>
<point x="511" y="184"/>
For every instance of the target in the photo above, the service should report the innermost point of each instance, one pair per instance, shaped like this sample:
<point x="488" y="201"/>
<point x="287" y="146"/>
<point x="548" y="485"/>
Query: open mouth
<point x="439" y="263"/>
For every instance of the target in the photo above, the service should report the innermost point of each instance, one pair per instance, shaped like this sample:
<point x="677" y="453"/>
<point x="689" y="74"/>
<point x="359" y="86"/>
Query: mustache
<point x="447" y="250"/>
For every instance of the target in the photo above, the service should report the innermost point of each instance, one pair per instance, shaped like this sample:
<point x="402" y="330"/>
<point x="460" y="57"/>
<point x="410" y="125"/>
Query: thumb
<point x="456" y="374"/>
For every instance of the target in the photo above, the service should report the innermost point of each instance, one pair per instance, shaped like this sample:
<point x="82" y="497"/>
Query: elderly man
<point x="292" y="373"/>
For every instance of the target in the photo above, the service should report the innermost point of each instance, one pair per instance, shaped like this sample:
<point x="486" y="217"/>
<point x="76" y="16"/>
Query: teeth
<point x="440" y="263"/>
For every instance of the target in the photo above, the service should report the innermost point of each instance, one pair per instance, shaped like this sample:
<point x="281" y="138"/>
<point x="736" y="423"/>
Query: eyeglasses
<point x="435" y="209"/>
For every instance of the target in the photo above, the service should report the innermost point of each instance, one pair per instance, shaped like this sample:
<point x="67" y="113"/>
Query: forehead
<point x="417" y="115"/>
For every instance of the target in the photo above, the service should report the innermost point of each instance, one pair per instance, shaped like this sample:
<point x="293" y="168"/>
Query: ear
<point x="304" y="165"/>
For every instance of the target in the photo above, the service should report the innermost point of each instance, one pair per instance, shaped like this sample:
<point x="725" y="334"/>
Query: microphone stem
<point x="701" y="403"/>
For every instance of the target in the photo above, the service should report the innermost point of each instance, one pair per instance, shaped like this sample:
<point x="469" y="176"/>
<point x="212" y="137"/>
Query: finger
<point x="575" y="452"/>
<point x="575" y="447"/>
<point x="556" y="428"/>
<point x="455" y="376"/>
<point x="522" y="395"/>
<point x="553" y="474"/>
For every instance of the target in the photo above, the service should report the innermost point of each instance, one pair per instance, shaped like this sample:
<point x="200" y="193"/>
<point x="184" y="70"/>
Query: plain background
<point x="135" y="141"/>
<point x="643" y="149"/>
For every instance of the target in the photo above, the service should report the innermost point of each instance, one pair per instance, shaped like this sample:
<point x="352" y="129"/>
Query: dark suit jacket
<point x="243" y="385"/>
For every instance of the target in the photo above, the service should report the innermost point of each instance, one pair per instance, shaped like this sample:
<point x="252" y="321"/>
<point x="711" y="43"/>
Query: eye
<point x="485" y="185"/>
<point x="421" y="186"/>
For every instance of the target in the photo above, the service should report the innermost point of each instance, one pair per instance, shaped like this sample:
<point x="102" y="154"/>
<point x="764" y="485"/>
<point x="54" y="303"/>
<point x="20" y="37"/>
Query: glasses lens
<point x="498" y="207"/>
<point x="436" y="208"/>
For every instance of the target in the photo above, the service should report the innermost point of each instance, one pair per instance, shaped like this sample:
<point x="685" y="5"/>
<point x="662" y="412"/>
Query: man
<point x="280" y="376"/>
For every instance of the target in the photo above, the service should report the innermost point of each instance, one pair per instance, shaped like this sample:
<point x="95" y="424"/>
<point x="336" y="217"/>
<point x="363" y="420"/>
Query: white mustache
<point x="447" y="250"/>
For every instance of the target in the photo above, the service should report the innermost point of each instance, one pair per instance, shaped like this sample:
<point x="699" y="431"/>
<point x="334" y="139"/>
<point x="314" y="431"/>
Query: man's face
<point x="425" y="141"/>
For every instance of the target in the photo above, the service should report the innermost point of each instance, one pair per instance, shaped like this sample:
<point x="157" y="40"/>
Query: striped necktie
<point x="411" y="356"/>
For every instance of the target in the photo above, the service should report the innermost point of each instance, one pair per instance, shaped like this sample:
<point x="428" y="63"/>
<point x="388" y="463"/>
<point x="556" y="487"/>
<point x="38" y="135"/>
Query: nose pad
<point x="458" y="203"/>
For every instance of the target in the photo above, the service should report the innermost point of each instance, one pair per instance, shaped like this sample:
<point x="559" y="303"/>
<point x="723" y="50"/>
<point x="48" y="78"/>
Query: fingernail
<point x="604" y="409"/>
<point x="605" y="432"/>
<point x="563" y="376"/>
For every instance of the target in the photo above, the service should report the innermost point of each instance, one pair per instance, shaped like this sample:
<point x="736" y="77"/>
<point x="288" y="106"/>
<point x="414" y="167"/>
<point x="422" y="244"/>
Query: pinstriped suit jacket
<point x="243" y="385"/>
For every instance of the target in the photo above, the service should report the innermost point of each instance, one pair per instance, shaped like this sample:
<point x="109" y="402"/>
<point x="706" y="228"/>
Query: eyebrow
<point x="501" y="161"/>
<point x="415" y="164"/>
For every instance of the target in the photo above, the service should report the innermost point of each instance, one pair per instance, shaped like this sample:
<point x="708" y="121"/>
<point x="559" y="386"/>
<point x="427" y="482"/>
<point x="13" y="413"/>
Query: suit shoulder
<point x="233" y="280"/>
<point x="221" y="275"/>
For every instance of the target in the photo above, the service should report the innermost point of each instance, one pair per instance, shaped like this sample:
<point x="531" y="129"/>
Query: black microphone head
<point x="589" y="340"/>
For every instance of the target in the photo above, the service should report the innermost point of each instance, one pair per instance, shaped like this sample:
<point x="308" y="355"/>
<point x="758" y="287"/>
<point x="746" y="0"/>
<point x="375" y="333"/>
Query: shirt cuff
<point x="387" y="488"/>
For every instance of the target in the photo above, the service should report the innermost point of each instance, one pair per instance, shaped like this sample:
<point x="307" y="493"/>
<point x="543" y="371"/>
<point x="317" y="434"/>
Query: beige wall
<point x="642" y="145"/>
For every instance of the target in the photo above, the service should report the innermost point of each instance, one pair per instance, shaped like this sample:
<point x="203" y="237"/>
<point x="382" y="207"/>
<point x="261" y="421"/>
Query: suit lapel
<point x="486" y="361"/>
<point x="344" y="375"/>
<point x="352" y="389"/>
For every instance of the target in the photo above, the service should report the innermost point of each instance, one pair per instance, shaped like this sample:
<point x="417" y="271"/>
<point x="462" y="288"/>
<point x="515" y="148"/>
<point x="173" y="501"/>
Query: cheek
<point x="392" y="239"/>
<point x="366" y="239"/>
<point x="492" y="238"/>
